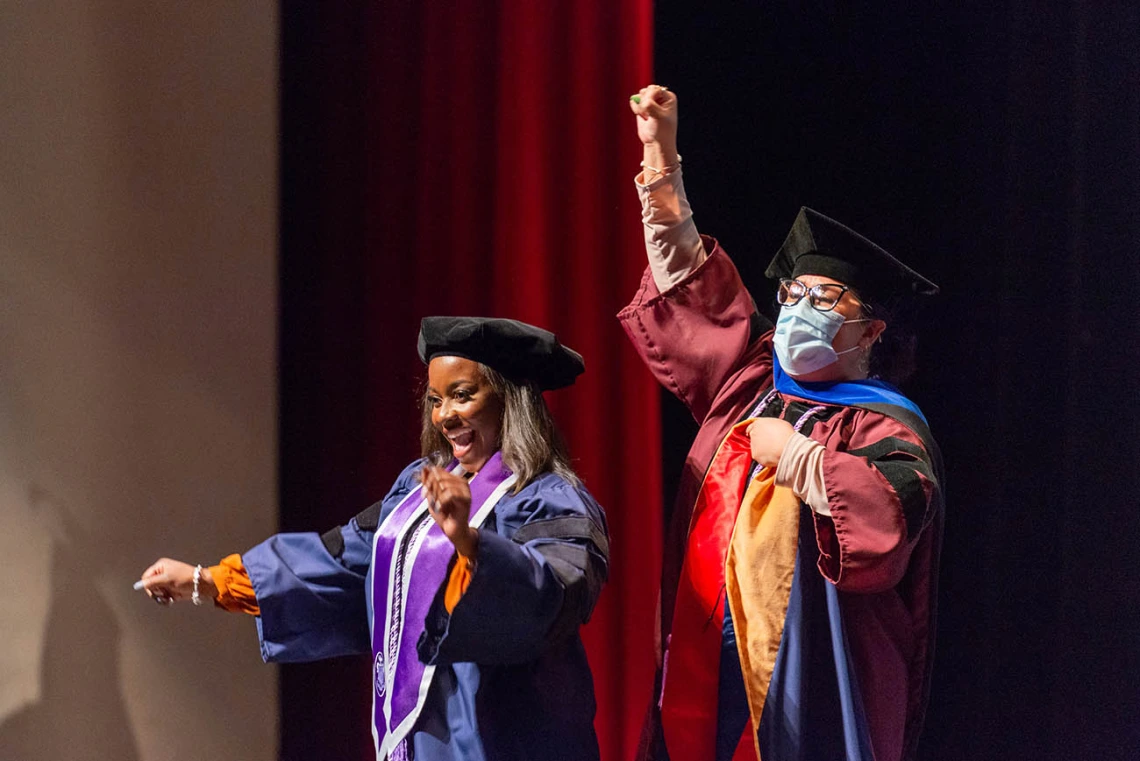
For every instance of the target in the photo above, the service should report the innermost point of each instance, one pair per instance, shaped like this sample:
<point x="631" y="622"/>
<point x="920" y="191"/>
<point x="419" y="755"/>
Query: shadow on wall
<point x="81" y="715"/>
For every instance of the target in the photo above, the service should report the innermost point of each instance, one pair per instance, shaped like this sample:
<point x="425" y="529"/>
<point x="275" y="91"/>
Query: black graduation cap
<point x="818" y="245"/>
<point x="521" y="352"/>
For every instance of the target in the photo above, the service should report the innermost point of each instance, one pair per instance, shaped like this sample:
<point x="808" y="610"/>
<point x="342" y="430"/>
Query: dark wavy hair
<point x="528" y="438"/>
<point x="894" y="358"/>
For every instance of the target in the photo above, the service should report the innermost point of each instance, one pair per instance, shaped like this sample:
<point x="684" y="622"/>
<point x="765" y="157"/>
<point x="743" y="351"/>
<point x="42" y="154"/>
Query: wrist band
<point x="194" y="596"/>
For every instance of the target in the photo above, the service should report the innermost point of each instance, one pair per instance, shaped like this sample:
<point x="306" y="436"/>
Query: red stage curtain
<point x="464" y="158"/>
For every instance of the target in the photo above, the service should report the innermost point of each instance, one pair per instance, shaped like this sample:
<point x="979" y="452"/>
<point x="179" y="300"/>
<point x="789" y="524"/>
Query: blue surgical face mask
<point x="803" y="338"/>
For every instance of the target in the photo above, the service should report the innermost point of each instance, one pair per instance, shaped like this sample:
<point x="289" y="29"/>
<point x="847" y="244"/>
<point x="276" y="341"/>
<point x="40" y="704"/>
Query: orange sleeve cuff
<point x="235" y="590"/>
<point x="457" y="583"/>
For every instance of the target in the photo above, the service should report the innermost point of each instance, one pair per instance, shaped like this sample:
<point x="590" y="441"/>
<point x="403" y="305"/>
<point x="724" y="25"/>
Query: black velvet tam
<point x="818" y="245"/>
<point x="521" y="352"/>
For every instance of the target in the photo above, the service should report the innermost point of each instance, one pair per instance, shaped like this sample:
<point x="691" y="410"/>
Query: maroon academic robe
<point x="705" y="342"/>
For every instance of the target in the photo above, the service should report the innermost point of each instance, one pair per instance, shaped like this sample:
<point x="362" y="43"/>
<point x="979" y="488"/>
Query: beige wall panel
<point x="138" y="224"/>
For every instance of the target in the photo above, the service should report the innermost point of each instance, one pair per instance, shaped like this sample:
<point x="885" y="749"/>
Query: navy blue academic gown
<point x="511" y="678"/>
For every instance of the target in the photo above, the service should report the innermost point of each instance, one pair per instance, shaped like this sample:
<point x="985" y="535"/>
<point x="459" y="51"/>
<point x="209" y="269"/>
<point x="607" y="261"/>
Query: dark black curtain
<point x="996" y="147"/>
<point x="326" y="362"/>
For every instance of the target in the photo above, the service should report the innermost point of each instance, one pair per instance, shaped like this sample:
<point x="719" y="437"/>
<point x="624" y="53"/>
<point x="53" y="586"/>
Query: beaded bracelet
<point x="194" y="596"/>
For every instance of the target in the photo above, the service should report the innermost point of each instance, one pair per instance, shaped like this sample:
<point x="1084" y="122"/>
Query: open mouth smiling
<point x="461" y="441"/>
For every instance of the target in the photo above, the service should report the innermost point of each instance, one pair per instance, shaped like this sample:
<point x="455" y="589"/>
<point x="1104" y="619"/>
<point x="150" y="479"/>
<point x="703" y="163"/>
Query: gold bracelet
<point x="663" y="170"/>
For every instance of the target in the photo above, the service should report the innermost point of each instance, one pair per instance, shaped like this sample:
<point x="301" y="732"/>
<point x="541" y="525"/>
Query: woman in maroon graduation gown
<point x="798" y="589"/>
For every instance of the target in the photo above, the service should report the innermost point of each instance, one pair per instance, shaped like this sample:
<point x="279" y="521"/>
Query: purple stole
<point x="410" y="558"/>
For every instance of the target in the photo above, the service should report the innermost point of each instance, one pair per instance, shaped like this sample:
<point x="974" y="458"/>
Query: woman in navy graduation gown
<point x="467" y="583"/>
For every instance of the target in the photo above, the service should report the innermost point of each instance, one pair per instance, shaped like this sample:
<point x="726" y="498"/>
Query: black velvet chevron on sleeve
<point x="580" y="558"/>
<point x="904" y="465"/>
<point x="368" y="520"/>
<point x="333" y="541"/>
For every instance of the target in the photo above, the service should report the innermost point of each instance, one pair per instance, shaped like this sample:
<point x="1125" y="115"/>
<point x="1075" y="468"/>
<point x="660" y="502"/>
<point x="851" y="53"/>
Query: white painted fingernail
<point x="138" y="585"/>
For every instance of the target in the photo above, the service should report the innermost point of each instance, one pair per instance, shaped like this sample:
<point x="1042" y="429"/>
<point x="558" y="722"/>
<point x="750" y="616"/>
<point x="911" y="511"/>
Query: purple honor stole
<point x="410" y="558"/>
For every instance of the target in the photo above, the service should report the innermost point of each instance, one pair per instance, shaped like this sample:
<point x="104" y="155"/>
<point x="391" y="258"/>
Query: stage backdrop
<point x="462" y="158"/>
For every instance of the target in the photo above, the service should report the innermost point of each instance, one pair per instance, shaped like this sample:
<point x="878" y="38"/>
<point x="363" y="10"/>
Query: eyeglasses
<point x="823" y="297"/>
